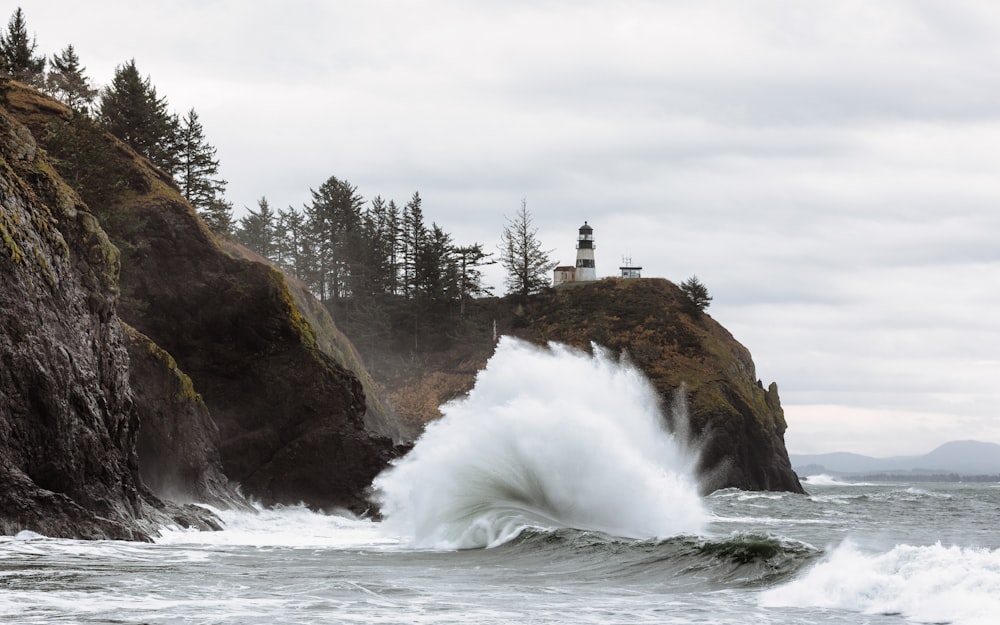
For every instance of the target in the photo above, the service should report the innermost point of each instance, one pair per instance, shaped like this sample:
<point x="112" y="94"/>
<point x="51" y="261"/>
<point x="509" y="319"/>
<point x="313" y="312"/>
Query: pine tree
<point x="197" y="173"/>
<point x="377" y="251"/>
<point x="412" y="235"/>
<point x="435" y="270"/>
<point x="335" y="225"/>
<point x="521" y="254"/>
<point x="295" y="250"/>
<point x="218" y="216"/>
<point x="67" y="82"/>
<point x="17" y="52"/>
<point x="394" y="226"/>
<point x="132" y="111"/>
<point x="697" y="293"/>
<point x="256" y="230"/>
<point x="468" y="260"/>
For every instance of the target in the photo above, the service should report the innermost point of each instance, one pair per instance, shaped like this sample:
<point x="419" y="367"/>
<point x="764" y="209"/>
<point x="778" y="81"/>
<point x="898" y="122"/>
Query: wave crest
<point x="548" y="438"/>
<point x="933" y="584"/>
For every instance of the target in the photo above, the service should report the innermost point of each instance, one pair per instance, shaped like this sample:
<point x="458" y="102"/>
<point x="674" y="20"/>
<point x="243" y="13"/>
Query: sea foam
<point x="926" y="584"/>
<point x="549" y="438"/>
<point x="281" y="526"/>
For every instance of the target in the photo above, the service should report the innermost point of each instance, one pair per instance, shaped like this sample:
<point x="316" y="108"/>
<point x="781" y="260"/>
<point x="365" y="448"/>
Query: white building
<point x="563" y="273"/>
<point x="630" y="271"/>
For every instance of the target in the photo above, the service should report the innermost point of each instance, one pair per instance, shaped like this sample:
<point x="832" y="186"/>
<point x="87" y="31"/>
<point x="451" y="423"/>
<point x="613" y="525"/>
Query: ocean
<point x="526" y="504"/>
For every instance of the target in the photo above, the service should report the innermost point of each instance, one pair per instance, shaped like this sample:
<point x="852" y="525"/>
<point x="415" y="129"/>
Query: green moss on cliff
<point x="298" y="322"/>
<point x="185" y="387"/>
<point x="13" y="250"/>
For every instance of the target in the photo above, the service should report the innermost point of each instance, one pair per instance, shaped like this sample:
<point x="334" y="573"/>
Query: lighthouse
<point x="585" y="269"/>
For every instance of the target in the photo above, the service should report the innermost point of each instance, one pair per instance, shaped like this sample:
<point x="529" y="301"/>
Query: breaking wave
<point x="926" y="584"/>
<point x="548" y="438"/>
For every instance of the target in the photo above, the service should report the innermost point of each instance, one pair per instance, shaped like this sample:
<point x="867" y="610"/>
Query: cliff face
<point x="290" y="416"/>
<point x="378" y="419"/>
<point x="67" y="424"/>
<point x="68" y="419"/>
<point x="178" y="442"/>
<point x="736" y="423"/>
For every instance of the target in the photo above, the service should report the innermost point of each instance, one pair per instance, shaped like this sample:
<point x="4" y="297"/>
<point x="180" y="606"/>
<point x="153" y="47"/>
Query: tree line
<point x="339" y="245"/>
<point x="129" y="108"/>
<point x="342" y="247"/>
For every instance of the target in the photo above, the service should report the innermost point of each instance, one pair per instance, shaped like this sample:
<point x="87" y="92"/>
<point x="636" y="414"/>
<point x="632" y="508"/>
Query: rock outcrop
<point x="68" y="422"/>
<point x="290" y="416"/>
<point x="378" y="418"/>
<point x="178" y="442"/>
<point x="736" y="423"/>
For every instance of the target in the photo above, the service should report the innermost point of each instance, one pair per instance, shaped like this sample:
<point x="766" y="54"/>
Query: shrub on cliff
<point x="697" y="293"/>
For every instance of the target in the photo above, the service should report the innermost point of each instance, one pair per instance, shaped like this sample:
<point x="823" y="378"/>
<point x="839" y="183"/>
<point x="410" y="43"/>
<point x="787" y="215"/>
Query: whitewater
<point x="551" y="494"/>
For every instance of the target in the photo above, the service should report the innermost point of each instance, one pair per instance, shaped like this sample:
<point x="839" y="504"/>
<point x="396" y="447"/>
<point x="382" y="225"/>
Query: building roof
<point x="585" y="228"/>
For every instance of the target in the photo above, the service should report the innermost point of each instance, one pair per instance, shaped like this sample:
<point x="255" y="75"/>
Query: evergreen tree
<point x="296" y="251"/>
<point x="468" y="260"/>
<point x="697" y="293"/>
<point x="394" y="225"/>
<point x="521" y="254"/>
<point x="435" y="269"/>
<point x="335" y="223"/>
<point x="412" y="235"/>
<point x="256" y="230"/>
<point x="377" y="251"/>
<point x="17" y="52"/>
<point x="218" y="216"/>
<point x="132" y="111"/>
<point x="197" y="173"/>
<point x="67" y="82"/>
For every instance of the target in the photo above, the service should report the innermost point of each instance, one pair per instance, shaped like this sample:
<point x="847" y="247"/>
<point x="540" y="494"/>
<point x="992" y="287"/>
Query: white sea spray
<point x="548" y="438"/>
<point x="926" y="584"/>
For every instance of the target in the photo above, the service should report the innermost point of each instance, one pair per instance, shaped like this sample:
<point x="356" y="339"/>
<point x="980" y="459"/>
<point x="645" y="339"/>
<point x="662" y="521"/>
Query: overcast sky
<point x="828" y="169"/>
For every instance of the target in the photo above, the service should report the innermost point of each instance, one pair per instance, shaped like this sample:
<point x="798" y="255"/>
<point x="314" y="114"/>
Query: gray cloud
<point x="827" y="169"/>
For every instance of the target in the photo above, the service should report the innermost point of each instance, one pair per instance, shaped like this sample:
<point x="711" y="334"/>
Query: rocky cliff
<point x="178" y="442"/>
<point x="736" y="423"/>
<point x="68" y="422"/>
<point x="290" y="416"/>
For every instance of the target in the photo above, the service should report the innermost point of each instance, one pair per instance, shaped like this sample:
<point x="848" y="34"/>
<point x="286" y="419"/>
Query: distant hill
<point x="961" y="457"/>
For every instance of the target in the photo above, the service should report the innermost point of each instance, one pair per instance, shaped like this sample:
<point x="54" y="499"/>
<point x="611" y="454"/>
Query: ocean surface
<point x="529" y="505"/>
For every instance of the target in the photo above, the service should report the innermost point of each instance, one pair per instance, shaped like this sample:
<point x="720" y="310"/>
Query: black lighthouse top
<point x="586" y="239"/>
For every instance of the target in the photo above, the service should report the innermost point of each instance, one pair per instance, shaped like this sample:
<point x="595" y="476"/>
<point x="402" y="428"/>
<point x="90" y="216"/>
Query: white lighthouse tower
<point x="585" y="269"/>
